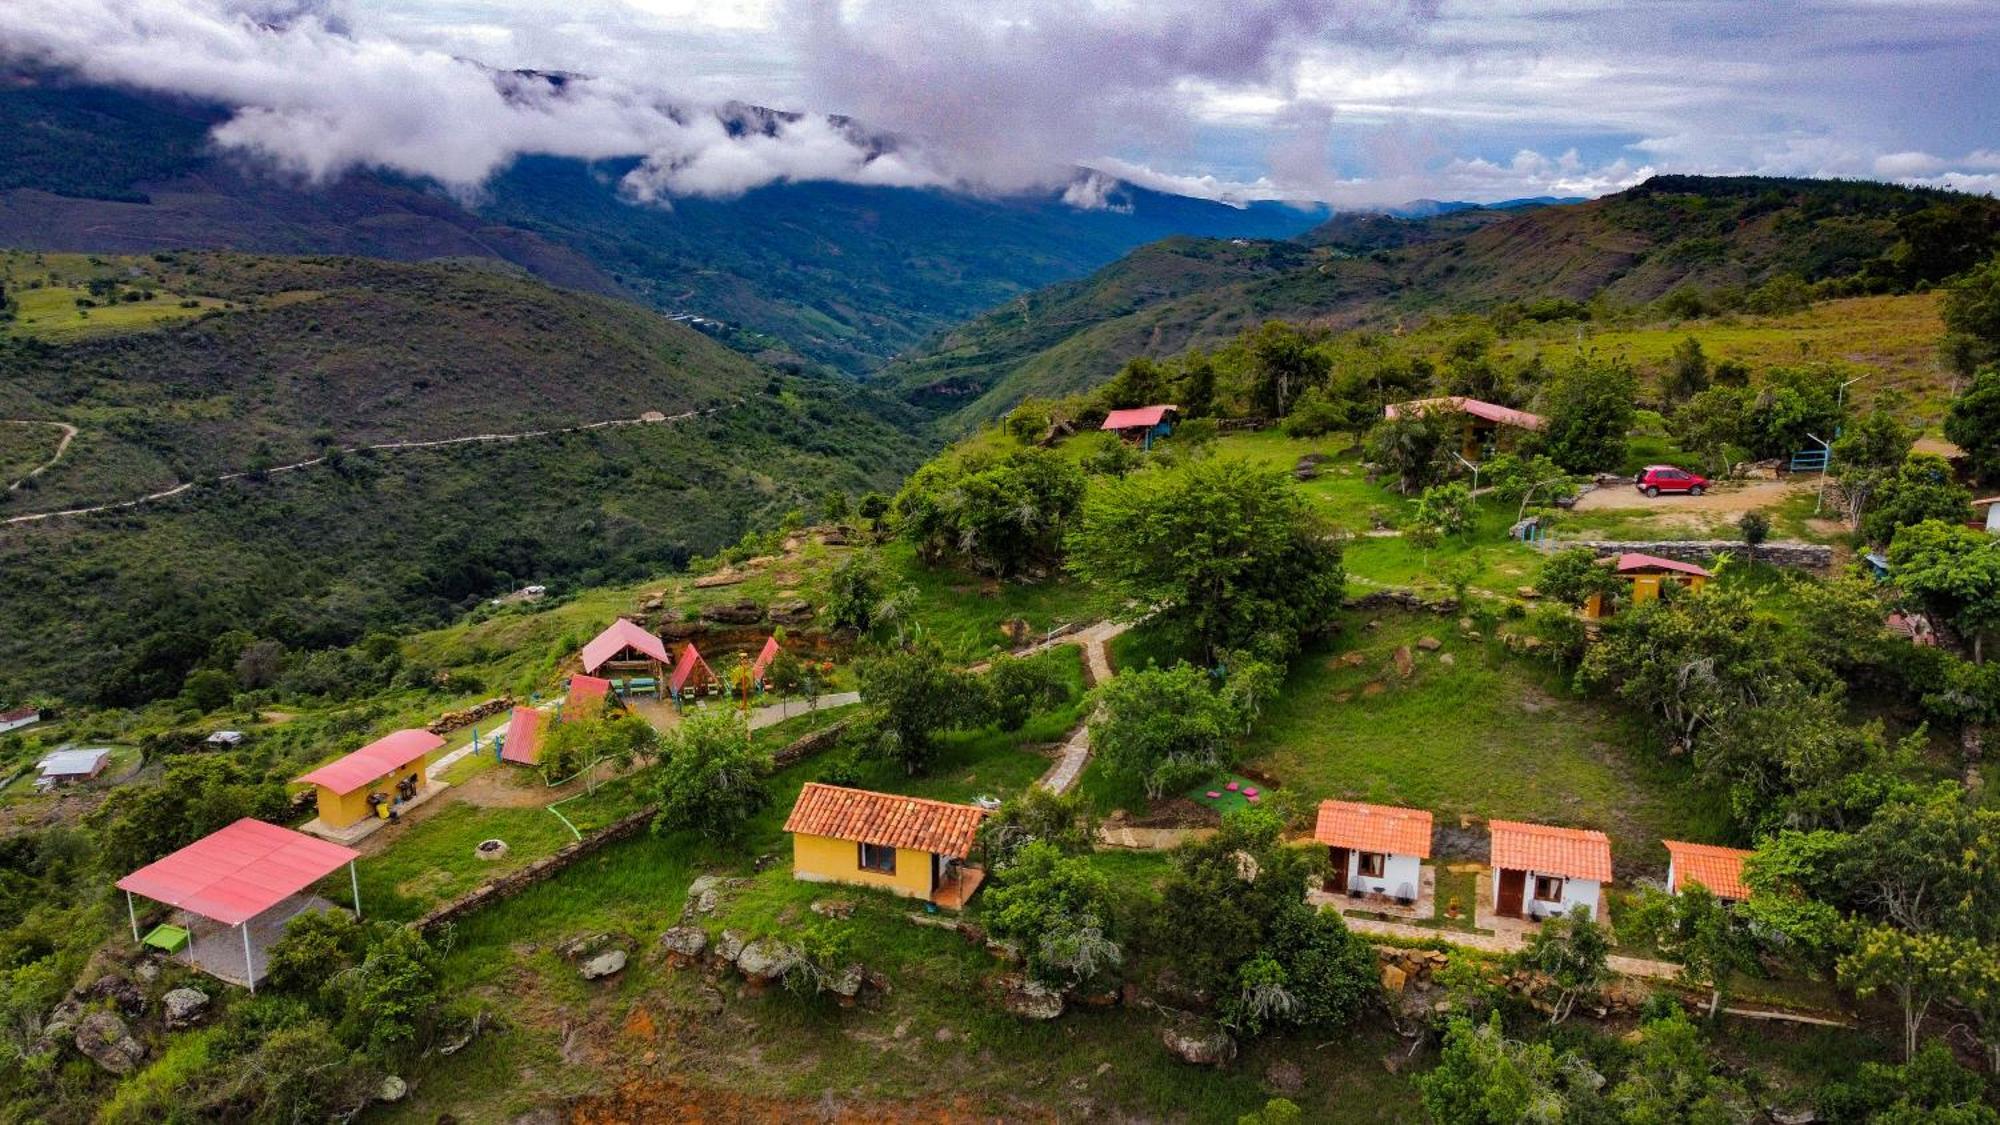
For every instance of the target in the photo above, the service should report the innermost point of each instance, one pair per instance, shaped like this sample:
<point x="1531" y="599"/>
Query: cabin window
<point x="1373" y="864"/>
<point x="1548" y="888"/>
<point x="875" y="857"/>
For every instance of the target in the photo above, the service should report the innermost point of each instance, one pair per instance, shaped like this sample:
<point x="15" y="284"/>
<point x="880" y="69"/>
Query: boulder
<point x="1202" y="1046"/>
<point x="185" y="1006"/>
<point x="684" y="944"/>
<point x="728" y="946"/>
<point x="1393" y="979"/>
<point x="792" y="611"/>
<point x="745" y="612"/>
<point x="392" y="1089"/>
<point x="681" y="630"/>
<point x="104" y="1039"/>
<point x="1446" y="659"/>
<point x="720" y="578"/>
<point x="1429" y="643"/>
<point x="704" y="895"/>
<point x="1405" y="663"/>
<point x="603" y="965"/>
<point x="147" y="972"/>
<point x="766" y="959"/>
<point x="62" y="1020"/>
<point x="1028" y="999"/>
<point x="127" y="996"/>
<point x="846" y="984"/>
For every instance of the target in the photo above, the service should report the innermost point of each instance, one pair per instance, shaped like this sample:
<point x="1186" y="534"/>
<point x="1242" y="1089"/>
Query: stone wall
<point x="1804" y="556"/>
<point x="807" y="745"/>
<point x="453" y="720"/>
<point x="537" y="871"/>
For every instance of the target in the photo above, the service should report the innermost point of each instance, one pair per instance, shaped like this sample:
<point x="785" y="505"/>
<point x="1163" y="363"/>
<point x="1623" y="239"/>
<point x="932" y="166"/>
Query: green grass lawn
<point x="52" y="313"/>
<point x="1493" y="735"/>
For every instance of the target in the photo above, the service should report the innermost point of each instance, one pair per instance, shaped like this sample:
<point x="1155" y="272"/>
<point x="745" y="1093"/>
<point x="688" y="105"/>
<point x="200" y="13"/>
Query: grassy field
<point x="53" y="312"/>
<point x="1490" y="735"/>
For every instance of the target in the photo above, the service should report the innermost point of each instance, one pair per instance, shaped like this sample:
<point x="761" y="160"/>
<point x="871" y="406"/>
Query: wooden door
<point x="1336" y="879"/>
<point x="1513" y="885"/>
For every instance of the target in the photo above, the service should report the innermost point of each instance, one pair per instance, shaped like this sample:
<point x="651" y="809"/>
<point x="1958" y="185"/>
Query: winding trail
<point x="386" y="446"/>
<point x="1062" y="776"/>
<point x="62" y="447"/>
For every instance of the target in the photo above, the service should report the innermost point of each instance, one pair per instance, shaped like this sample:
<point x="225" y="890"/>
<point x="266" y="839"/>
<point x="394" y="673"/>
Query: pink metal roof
<point x="523" y="743"/>
<point x="690" y="660"/>
<point x="585" y="690"/>
<point x="764" y="658"/>
<point x="1137" y="417"/>
<point x="390" y="752"/>
<point x="235" y="874"/>
<point x="1492" y="412"/>
<point x="1632" y="561"/>
<point x="621" y="635"/>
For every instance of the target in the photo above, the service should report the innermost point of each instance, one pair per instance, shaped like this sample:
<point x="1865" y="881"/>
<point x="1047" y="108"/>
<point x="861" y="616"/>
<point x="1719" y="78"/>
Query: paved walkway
<point x="775" y="713"/>
<point x="1503" y="943"/>
<point x="1095" y="641"/>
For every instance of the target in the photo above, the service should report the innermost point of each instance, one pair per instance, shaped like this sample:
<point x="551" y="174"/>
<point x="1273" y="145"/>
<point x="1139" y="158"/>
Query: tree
<point x="1589" y="408"/>
<point x="1712" y="424"/>
<point x="1276" y="1111"/>
<point x="1163" y="728"/>
<point x="1284" y="363"/>
<point x="1111" y="456"/>
<point x="1228" y="555"/>
<point x="1973" y="424"/>
<point x="1514" y="477"/>
<point x="1972" y="313"/>
<point x="1411" y="447"/>
<point x="1700" y="931"/>
<point x="1921" y="489"/>
<point x="300" y="1073"/>
<point x="917" y="693"/>
<point x="1061" y="820"/>
<point x="1571" y="951"/>
<point x="584" y="739"/>
<point x="1447" y="508"/>
<point x="394" y="993"/>
<point x="1867" y="454"/>
<point x="1795" y="406"/>
<point x="1953" y="570"/>
<point x="1687" y="373"/>
<point x="854" y="591"/>
<point x="209" y="689"/>
<point x="1917" y="968"/>
<point x="710" y="777"/>
<point x="1672" y="1080"/>
<point x="1573" y="574"/>
<point x="1931" y="1089"/>
<point x="1057" y="908"/>
<point x="998" y="513"/>
<point x="1754" y="527"/>
<point x="1484" y="1078"/>
<point x="138" y="823"/>
<point x="1018" y="689"/>
<point x="316" y="946"/>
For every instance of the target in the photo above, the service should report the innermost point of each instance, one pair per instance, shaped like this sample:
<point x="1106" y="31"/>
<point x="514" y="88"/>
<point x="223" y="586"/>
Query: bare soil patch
<point x="1725" y="499"/>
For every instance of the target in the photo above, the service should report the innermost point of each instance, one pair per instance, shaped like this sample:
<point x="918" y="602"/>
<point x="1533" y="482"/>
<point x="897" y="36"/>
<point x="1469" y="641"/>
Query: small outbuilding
<point x="633" y="658"/>
<point x="69" y="766"/>
<point x="1141" y="424"/>
<point x="1990" y="506"/>
<point x="19" y="717"/>
<point x="522" y="743"/>
<point x="908" y="846"/>
<point x="1488" y="428"/>
<point x="1646" y="575"/>
<point x="1540" y="871"/>
<point x="1717" y="868"/>
<point x="762" y="665"/>
<point x="1374" y="849"/>
<point x="361" y="790"/>
<point x="225" y="738"/>
<point x="691" y="675"/>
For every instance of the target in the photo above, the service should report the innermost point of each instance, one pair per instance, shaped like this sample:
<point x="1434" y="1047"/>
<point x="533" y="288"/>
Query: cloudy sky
<point x="1351" y="101"/>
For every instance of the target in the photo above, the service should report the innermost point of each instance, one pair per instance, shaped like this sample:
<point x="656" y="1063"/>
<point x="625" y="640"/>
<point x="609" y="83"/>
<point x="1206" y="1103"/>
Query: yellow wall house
<point x="905" y="845"/>
<point x="1646" y="573"/>
<point x="392" y="766"/>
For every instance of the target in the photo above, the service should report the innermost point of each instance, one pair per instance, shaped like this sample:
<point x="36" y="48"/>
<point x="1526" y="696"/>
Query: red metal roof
<point x="1492" y="412"/>
<point x="1717" y="868"/>
<point x="586" y="691"/>
<point x="523" y="743"/>
<point x="1632" y="562"/>
<point x="17" y="714"/>
<point x="235" y="874"/>
<point x="690" y="660"/>
<point x="1374" y="828"/>
<point x="390" y="752"/>
<point x="1138" y="417"/>
<point x="886" y="819"/>
<point x="621" y="635"/>
<point x="1576" y="852"/>
<point x="764" y="658"/>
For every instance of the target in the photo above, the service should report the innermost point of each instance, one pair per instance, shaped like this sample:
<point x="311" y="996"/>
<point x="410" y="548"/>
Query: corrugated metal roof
<point x="690" y="660"/>
<point x="1579" y="853"/>
<point x="885" y="819"/>
<point x="235" y="874"/>
<point x="621" y="635"/>
<point x="523" y="743"/>
<point x="72" y="763"/>
<point x="390" y="752"/>
<point x="1137" y="417"/>
<point x="1632" y="561"/>
<point x="1374" y="828"/>
<point x="764" y="658"/>
<point x="586" y="691"/>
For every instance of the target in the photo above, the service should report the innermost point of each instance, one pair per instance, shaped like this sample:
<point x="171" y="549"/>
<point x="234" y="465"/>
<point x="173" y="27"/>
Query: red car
<point x="1655" y="479"/>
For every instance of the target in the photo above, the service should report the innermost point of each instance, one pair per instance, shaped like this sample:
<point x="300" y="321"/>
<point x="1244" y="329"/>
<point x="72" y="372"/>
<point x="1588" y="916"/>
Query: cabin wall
<point x="338" y="810"/>
<point x="824" y="859"/>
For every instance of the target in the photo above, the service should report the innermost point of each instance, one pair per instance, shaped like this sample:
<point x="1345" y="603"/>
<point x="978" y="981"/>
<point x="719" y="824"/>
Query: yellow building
<point x="904" y="845"/>
<point x="389" y="770"/>
<point x="1646" y="574"/>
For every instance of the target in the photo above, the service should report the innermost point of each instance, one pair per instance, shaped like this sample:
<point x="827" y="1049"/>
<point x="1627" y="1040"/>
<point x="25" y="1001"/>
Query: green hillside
<point x="1621" y="254"/>
<point x="314" y="356"/>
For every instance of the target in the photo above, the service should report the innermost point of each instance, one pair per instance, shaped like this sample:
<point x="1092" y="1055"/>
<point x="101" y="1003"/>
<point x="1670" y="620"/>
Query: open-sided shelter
<point x="1540" y="870"/>
<point x="522" y="744"/>
<point x="909" y="846"/>
<point x="633" y="658"/>
<point x="1718" y="868"/>
<point x="691" y="675"/>
<point x="372" y="781"/>
<point x="1141" y="424"/>
<point x="1488" y="427"/>
<point x="1646" y="574"/>
<point x="1374" y="849"/>
<point x="236" y="878"/>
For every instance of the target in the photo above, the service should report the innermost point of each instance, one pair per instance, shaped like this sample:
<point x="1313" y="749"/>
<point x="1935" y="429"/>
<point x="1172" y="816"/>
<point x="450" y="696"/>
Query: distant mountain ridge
<point x="826" y="274"/>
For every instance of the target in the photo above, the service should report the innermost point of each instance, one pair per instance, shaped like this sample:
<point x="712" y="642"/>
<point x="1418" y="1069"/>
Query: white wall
<point x="1576" y="892"/>
<point x="1401" y="875"/>
<point x="17" y="724"/>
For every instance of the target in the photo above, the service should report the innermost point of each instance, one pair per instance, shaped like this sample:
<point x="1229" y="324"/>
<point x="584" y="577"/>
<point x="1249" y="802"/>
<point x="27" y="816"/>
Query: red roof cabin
<point x="360" y="791"/>
<point x="1541" y="871"/>
<point x="762" y="665"/>
<point x="691" y="676"/>
<point x="1489" y="428"/>
<point x="1717" y="868"/>
<point x="522" y="744"/>
<point x="1141" y="424"/>
<point x="1646" y="574"/>
<point x="1374" y="849"/>
<point x="634" y="660"/>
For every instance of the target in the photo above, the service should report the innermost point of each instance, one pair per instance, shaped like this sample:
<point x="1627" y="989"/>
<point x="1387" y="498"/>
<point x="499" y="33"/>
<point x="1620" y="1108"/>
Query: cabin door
<point x="1336" y="879"/>
<point x="1513" y="885"/>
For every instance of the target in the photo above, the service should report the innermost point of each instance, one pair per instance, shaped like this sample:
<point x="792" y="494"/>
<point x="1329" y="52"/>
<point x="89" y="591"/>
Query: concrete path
<point x="773" y="714"/>
<point x="1095" y="641"/>
<point x="1502" y="943"/>
<point x="1149" y="839"/>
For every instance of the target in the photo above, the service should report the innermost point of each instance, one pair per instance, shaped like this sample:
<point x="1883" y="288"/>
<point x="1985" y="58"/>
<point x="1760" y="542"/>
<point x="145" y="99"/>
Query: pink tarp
<point x="523" y="743"/>
<point x="390" y="752"/>
<point x="620" y="636"/>
<point x="234" y="875"/>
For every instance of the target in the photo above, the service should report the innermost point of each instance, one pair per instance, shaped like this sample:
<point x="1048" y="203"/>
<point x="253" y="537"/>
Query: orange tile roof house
<point x="1540" y="870"/>
<point x="906" y="845"/>
<point x="1374" y="849"/>
<point x="1717" y="868"/>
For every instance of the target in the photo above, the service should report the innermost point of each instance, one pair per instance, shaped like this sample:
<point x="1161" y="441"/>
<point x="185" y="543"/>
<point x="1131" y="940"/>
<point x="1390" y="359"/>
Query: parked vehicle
<point x="1655" y="479"/>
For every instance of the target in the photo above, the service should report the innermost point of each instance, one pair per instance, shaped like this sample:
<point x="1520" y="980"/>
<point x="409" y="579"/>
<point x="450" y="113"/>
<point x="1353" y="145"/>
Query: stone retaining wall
<point x="453" y="720"/>
<point x="809" y="744"/>
<point x="1804" y="556"/>
<point x="541" y="869"/>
